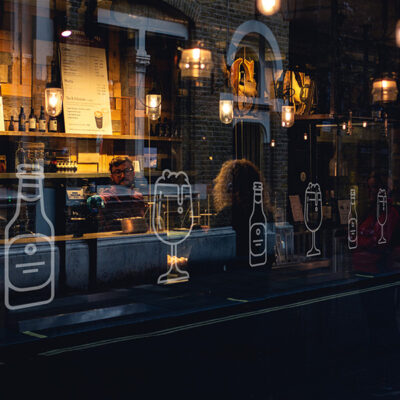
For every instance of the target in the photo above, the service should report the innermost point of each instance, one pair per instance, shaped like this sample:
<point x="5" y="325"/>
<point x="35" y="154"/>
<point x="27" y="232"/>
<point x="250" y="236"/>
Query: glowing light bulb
<point x="53" y="100"/>
<point x="365" y="124"/>
<point x="305" y="136"/>
<point x="273" y="143"/>
<point x="66" y="33"/>
<point x="268" y="7"/>
<point x="196" y="54"/>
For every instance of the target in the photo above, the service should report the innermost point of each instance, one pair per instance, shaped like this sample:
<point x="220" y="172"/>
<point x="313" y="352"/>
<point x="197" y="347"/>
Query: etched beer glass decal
<point x="381" y="212"/>
<point x="313" y="214"/>
<point x="29" y="255"/>
<point x="352" y="224"/>
<point x="172" y="219"/>
<point x="257" y="229"/>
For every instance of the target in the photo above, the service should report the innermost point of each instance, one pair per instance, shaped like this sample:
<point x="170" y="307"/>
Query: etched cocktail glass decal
<point x="313" y="214"/>
<point x="29" y="245"/>
<point x="381" y="212"/>
<point x="257" y="229"/>
<point x="172" y="218"/>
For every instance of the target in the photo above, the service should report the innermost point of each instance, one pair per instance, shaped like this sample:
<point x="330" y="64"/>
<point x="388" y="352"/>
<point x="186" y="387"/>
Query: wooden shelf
<point x="55" y="175"/>
<point x="85" y="136"/>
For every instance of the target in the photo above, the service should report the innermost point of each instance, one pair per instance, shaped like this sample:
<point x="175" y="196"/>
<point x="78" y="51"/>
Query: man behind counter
<point x="120" y="200"/>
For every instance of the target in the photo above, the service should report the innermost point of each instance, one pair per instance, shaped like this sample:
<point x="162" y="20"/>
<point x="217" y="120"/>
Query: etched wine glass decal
<point x="381" y="212"/>
<point x="172" y="219"/>
<point x="352" y="224"/>
<point x="257" y="229"/>
<point x="29" y="274"/>
<point x="313" y="214"/>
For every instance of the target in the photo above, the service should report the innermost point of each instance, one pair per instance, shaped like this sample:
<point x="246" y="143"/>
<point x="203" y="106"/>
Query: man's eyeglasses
<point x="122" y="171"/>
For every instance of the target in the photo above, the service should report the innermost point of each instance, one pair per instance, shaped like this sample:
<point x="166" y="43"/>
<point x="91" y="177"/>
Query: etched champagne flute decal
<point x="352" y="225"/>
<point x="313" y="214"/>
<point x="381" y="212"/>
<point x="257" y="229"/>
<point x="173" y="208"/>
<point x="29" y="277"/>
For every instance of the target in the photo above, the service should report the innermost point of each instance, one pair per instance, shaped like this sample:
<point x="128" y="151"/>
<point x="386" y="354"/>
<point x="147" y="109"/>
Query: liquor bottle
<point x="29" y="279"/>
<point x="19" y="155"/>
<point x="2" y="127"/>
<point x="32" y="121"/>
<point x="21" y="120"/>
<point x="42" y="120"/>
<point x="352" y="232"/>
<point x="11" y="124"/>
<point x="257" y="229"/>
<point x="53" y="124"/>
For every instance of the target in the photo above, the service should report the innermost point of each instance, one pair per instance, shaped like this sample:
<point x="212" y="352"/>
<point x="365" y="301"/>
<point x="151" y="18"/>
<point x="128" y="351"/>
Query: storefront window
<point x="167" y="142"/>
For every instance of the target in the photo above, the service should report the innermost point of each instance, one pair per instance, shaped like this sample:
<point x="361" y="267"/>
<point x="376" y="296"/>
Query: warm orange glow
<point x="268" y="7"/>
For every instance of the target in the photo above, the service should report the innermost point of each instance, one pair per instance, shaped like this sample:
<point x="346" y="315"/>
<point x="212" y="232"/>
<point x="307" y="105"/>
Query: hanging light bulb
<point x="384" y="90"/>
<point x="305" y="136"/>
<point x="226" y="108"/>
<point x="287" y="116"/>
<point x="364" y="124"/>
<point x="268" y="7"/>
<point x="196" y="63"/>
<point x="153" y="106"/>
<point x="53" y="94"/>
<point x="344" y="126"/>
<point x="273" y="143"/>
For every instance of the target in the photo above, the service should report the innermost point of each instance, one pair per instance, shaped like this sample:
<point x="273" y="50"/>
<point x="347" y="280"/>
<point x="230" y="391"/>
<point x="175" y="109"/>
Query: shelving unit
<point x="85" y="136"/>
<point x="55" y="175"/>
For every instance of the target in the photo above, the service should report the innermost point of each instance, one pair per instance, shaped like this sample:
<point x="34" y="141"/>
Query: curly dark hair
<point x="234" y="185"/>
<point x="117" y="161"/>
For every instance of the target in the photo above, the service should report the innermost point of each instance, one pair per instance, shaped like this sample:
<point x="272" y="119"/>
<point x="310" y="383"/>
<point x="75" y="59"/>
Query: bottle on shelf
<point x="21" y="120"/>
<point x="32" y="121"/>
<point x="53" y="124"/>
<point x="2" y="127"/>
<point x="11" y="124"/>
<point x="19" y="155"/>
<point x="42" y="120"/>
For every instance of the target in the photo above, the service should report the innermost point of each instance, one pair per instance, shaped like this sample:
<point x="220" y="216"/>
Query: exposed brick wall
<point x="211" y="28"/>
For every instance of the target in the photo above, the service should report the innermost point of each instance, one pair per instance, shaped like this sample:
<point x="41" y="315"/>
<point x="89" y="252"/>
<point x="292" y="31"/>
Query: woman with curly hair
<point x="233" y="200"/>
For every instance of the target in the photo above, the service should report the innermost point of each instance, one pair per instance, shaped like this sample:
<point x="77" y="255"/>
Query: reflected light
<point x="153" y="106"/>
<point x="66" y="33"/>
<point x="287" y="116"/>
<point x="268" y="7"/>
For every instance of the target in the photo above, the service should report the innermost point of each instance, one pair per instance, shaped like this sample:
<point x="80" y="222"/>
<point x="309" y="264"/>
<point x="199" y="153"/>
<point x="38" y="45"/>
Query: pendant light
<point x="53" y="94"/>
<point x="287" y="116"/>
<point x="384" y="90"/>
<point x="153" y="106"/>
<point x="268" y="7"/>
<point x="196" y="63"/>
<point x="226" y="108"/>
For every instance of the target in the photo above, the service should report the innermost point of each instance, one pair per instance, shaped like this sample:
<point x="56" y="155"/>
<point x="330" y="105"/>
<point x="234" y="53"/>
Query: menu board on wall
<point x="85" y="84"/>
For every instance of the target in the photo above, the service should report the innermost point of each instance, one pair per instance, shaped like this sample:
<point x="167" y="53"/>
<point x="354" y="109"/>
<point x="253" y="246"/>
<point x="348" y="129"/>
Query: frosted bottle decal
<point x="29" y="255"/>
<point x="257" y="229"/>
<point x="352" y="226"/>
